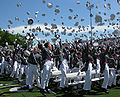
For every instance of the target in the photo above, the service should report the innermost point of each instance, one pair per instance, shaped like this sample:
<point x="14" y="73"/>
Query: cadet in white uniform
<point x="64" y="69"/>
<point x="33" y="70"/>
<point x="48" y="65"/>
<point x="87" y="85"/>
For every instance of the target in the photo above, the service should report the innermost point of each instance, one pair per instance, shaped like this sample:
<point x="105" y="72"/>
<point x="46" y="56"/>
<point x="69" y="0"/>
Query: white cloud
<point x="19" y="29"/>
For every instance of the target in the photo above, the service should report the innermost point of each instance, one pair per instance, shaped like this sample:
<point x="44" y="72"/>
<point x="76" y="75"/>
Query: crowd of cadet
<point x="36" y="62"/>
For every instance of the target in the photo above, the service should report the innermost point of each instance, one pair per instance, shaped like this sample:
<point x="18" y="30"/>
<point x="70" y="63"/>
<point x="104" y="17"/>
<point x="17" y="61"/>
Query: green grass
<point x="114" y="92"/>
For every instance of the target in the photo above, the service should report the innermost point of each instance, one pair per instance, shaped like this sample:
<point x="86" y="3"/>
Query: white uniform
<point x="23" y="68"/>
<point x="106" y="76"/>
<point x="46" y="73"/>
<point x="33" y="74"/>
<point x="64" y="69"/>
<point x="98" y="65"/>
<point x="87" y="85"/>
<point x="2" y="65"/>
<point x="112" y="78"/>
<point x="15" y="71"/>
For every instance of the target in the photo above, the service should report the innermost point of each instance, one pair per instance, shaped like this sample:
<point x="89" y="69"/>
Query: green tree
<point x="10" y="38"/>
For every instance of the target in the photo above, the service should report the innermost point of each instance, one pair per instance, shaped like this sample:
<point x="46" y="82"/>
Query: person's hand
<point x="38" y="39"/>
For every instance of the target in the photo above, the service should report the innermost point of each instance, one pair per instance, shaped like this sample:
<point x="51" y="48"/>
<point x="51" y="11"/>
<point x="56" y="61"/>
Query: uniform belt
<point x="48" y="59"/>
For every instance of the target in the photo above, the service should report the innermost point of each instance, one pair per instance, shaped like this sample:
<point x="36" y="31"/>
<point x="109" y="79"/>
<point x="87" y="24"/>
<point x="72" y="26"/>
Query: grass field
<point x="114" y="92"/>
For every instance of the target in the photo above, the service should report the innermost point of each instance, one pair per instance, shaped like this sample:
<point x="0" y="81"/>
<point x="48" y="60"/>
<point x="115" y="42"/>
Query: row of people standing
<point x="73" y="56"/>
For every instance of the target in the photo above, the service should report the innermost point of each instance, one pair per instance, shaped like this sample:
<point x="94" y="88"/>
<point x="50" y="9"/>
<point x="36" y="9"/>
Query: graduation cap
<point x="87" y="4"/>
<point x="69" y="28"/>
<point x="69" y="34"/>
<point x="118" y="13"/>
<point x="105" y="5"/>
<point x="71" y="10"/>
<point x="98" y="18"/>
<point x="16" y="18"/>
<point x="69" y="17"/>
<point x="38" y="20"/>
<point x="99" y="12"/>
<point x="43" y="32"/>
<point x="17" y="5"/>
<point x="49" y="5"/>
<point x="112" y="17"/>
<point x="45" y="24"/>
<point x="57" y="10"/>
<point x="20" y="4"/>
<point x="113" y="24"/>
<point x="54" y="26"/>
<point x="23" y="20"/>
<point x="36" y="12"/>
<point x="75" y="16"/>
<point x="28" y="13"/>
<point x="44" y="1"/>
<point x="78" y="2"/>
<point x="57" y="5"/>
<point x="82" y="19"/>
<point x="97" y="6"/>
<point x="43" y="14"/>
<point x="10" y="21"/>
<point x="105" y="20"/>
<point x="30" y="21"/>
<point x="54" y="39"/>
<point x="61" y="17"/>
<point x="62" y="23"/>
<point x="63" y="27"/>
<point x="109" y="4"/>
<point x="33" y="30"/>
<point x="25" y="27"/>
<point x="9" y="27"/>
<point x="104" y="13"/>
<point x="54" y="19"/>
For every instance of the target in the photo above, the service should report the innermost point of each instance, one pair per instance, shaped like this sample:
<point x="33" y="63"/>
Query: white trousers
<point x="88" y="77"/>
<point x="33" y="74"/>
<point x="27" y="74"/>
<point x="119" y="75"/>
<point x="23" y="68"/>
<point x="106" y="76"/>
<point x="112" y="77"/>
<point x="2" y="68"/>
<point x="16" y="68"/>
<point x="64" y="70"/>
<point x="46" y="74"/>
<point x="5" y="66"/>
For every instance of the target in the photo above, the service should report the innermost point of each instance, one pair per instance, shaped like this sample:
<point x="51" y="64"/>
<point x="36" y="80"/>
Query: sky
<point x="9" y="10"/>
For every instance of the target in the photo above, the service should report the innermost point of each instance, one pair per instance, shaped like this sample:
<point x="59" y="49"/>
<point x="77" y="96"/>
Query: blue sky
<point x="9" y="11"/>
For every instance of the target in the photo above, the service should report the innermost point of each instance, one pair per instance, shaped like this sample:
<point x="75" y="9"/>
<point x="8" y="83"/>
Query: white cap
<point x="49" y="5"/>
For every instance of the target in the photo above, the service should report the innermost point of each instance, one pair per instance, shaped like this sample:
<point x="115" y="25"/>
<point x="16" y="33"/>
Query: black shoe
<point x="49" y="91"/>
<point x="84" y="92"/>
<point x="113" y="86"/>
<point x="105" y="90"/>
<point x="43" y="92"/>
<point x="62" y="90"/>
<point x="118" y="85"/>
<point x="109" y="87"/>
<point x="30" y="90"/>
